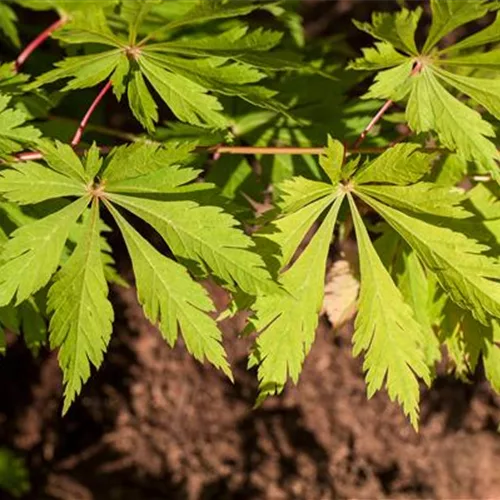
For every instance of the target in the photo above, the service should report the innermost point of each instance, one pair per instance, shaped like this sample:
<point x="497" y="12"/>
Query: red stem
<point x="374" y="121"/>
<point x="78" y="134"/>
<point x="416" y="69"/>
<point x="29" y="156"/>
<point x="29" y="49"/>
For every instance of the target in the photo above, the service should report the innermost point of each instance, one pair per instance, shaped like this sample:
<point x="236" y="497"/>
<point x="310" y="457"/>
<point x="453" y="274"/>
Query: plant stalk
<point x="34" y="44"/>
<point x="81" y="128"/>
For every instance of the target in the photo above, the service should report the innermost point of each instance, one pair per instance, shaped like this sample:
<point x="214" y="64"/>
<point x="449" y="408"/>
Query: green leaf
<point x="210" y="10"/>
<point x="418" y="290"/>
<point x="13" y="134"/>
<point x="298" y="192"/>
<point x="14" y="476"/>
<point x="33" y="252"/>
<point x="491" y="34"/>
<point x="63" y="159"/>
<point x="449" y="171"/>
<point x="234" y="42"/>
<point x="135" y="12"/>
<point x="422" y="198"/>
<point x="485" y="91"/>
<point x="450" y="14"/>
<point x="457" y="261"/>
<point x="92" y="162"/>
<point x="8" y="21"/>
<point x="332" y="159"/>
<point x="83" y="71"/>
<point x="387" y="331"/>
<point x="30" y="182"/>
<point x="289" y="231"/>
<point x="89" y="29"/>
<point x="467" y="340"/>
<point x="394" y="83"/>
<point x="382" y="56"/>
<point x="401" y="164"/>
<point x="287" y="324"/>
<point x="432" y="107"/>
<point x="82" y="315"/>
<point x="126" y="164"/>
<point x="187" y="100"/>
<point x="69" y="6"/>
<point x="486" y="60"/>
<point x="173" y="299"/>
<point x="206" y="235"/>
<point x="33" y="325"/>
<point x="119" y="77"/>
<point x="491" y="356"/>
<point x="141" y="103"/>
<point x="397" y="29"/>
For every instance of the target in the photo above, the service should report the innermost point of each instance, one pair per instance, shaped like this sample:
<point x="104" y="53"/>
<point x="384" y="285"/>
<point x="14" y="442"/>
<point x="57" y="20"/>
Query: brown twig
<point x="78" y="134"/>
<point x="34" y="44"/>
<point x="238" y="150"/>
<point x="271" y="150"/>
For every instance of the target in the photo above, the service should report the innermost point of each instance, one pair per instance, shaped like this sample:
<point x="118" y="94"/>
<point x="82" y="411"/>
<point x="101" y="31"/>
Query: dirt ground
<point x="154" y="424"/>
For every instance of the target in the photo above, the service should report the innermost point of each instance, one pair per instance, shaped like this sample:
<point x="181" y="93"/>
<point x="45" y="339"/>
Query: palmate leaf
<point x="431" y="107"/>
<point x="81" y="312"/>
<point x="172" y="298"/>
<point x="287" y="324"/>
<point x="187" y="83"/>
<point x="387" y="330"/>
<point x="81" y="315"/>
<point x="14" y="134"/>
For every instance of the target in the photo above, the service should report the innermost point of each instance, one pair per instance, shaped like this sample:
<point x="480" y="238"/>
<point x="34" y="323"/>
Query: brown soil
<point x="153" y="424"/>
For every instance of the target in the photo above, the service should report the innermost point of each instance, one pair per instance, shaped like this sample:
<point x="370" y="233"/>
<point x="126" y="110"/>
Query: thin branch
<point x="29" y="156"/>
<point x="29" y="49"/>
<point x="416" y="69"/>
<point x="78" y="134"/>
<point x="251" y="150"/>
<point x="373" y="122"/>
<point x="238" y="150"/>
<point x="99" y="129"/>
